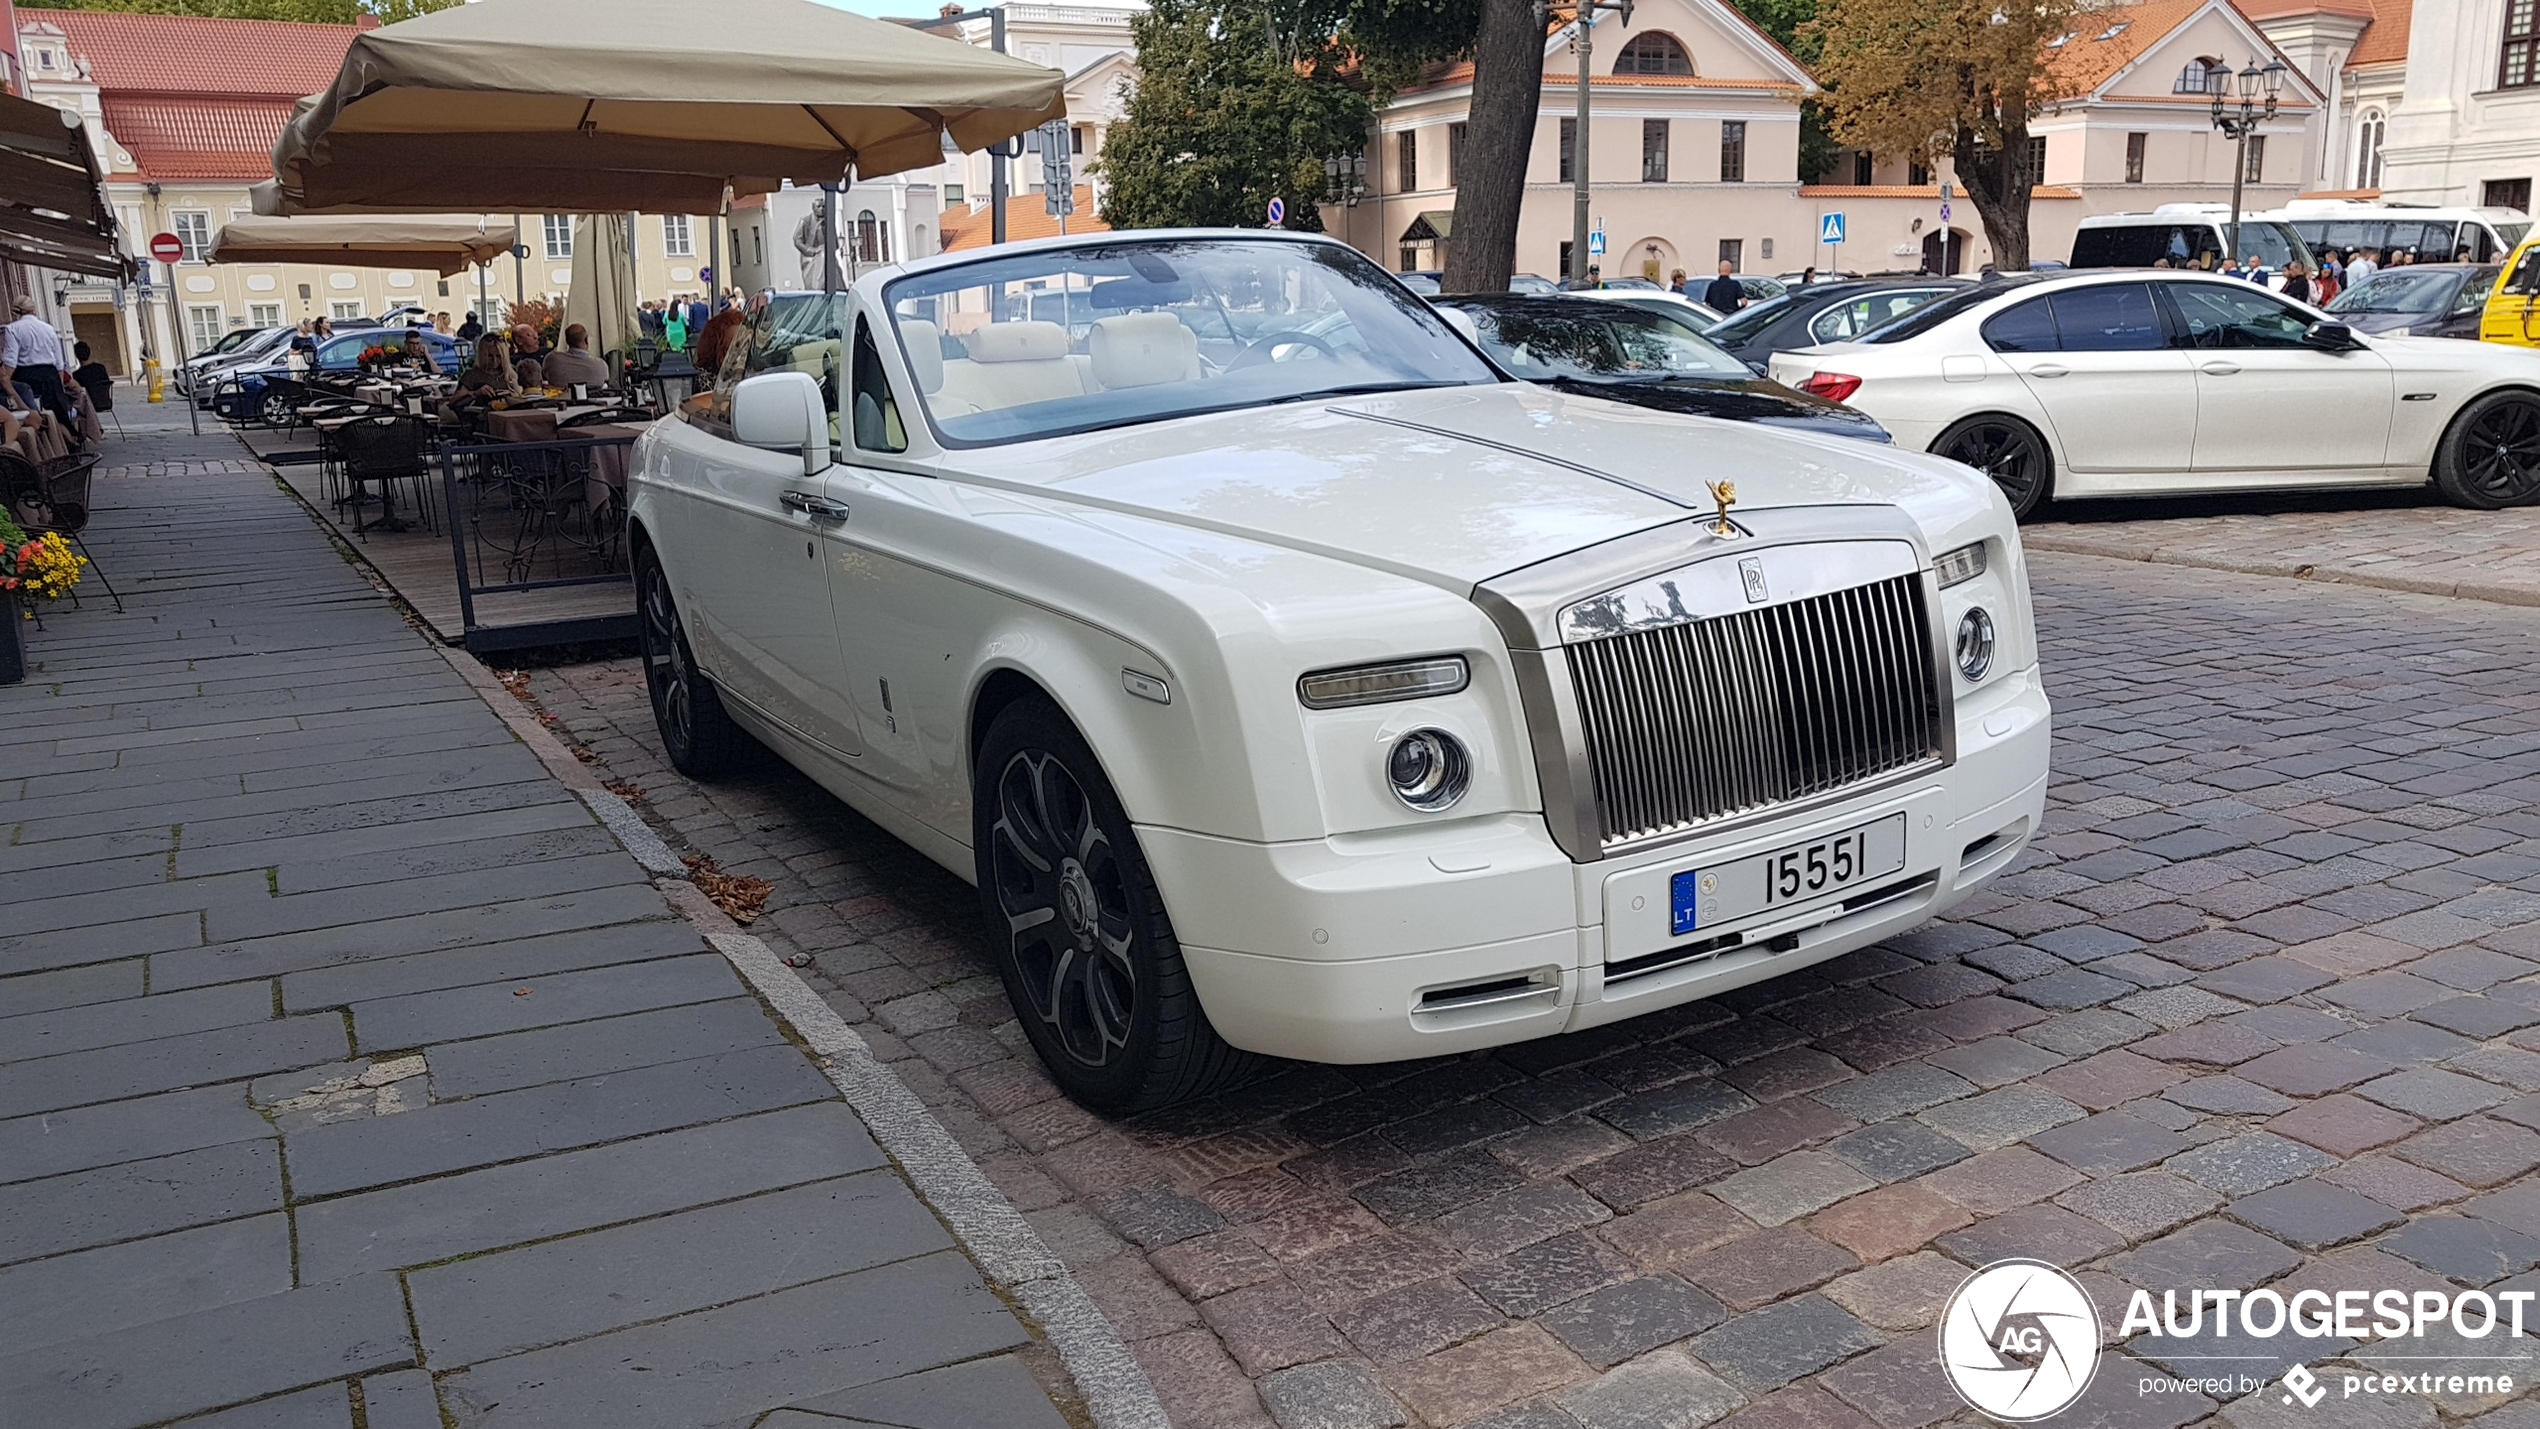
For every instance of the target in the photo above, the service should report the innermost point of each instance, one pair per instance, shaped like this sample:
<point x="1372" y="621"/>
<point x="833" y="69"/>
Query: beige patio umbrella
<point x="442" y="243"/>
<point x="602" y="297"/>
<point x="600" y="105"/>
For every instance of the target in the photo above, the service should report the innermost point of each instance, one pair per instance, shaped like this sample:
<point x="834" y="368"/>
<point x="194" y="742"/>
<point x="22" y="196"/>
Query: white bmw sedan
<point x="2154" y="383"/>
<point x="1290" y="681"/>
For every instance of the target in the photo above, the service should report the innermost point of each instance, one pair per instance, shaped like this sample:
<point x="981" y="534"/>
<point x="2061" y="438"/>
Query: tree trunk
<point x="1997" y="182"/>
<point x="1490" y="186"/>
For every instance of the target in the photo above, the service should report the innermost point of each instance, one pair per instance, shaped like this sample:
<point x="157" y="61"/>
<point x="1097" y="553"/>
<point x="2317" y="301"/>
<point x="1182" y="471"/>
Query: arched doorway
<point x="1652" y="258"/>
<point x="1954" y="260"/>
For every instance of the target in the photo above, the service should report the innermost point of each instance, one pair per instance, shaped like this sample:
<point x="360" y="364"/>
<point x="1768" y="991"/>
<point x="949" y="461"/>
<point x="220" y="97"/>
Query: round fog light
<point x="1975" y="644"/>
<point x="1428" y="769"/>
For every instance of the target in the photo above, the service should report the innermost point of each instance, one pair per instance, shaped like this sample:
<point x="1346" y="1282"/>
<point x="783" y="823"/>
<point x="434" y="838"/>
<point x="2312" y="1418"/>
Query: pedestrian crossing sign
<point x="1830" y="228"/>
<point x="1596" y="244"/>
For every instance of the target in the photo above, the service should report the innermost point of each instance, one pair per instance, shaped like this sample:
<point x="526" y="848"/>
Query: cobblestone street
<point x="2254" y="1011"/>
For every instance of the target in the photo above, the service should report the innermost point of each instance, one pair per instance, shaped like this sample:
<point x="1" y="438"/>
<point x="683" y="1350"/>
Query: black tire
<point x="699" y="736"/>
<point x="2008" y="450"/>
<point x="1081" y="934"/>
<point x="2490" y="459"/>
<point x="274" y="409"/>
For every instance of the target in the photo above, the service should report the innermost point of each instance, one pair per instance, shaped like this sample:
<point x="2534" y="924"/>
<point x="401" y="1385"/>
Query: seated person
<point x="490" y="376"/>
<point x="418" y="353"/>
<point x="575" y="363"/>
<point x="93" y="377"/>
<point x="529" y="373"/>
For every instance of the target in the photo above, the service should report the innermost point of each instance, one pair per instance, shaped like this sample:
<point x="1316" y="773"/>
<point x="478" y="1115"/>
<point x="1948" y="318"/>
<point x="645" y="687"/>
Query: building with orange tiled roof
<point x="2429" y="104"/>
<point x="183" y="111"/>
<point x="1694" y="142"/>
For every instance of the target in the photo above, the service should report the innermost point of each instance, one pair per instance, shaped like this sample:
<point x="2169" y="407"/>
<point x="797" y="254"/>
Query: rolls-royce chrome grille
<point x="1692" y="722"/>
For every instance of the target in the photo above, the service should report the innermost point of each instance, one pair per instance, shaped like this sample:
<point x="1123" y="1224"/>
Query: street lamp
<point x="1345" y="178"/>
<point x="2254" y="84"/>
<point x="1582" y="16"/>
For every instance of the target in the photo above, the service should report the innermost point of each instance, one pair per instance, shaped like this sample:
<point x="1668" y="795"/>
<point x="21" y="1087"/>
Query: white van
<point x="2187" y="235"/>
<point x="2434" y="235"/>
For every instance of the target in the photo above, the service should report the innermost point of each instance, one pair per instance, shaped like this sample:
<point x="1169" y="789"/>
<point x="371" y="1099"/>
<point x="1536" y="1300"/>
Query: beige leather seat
<point x="1012" y="364"/>
<point x="1143" y="350"/>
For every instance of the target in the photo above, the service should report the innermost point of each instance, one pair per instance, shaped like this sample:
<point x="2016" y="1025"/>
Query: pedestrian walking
<point x="1724" y="294"/>
<point x="674" y="328"/>
<point x="31" y="359"/>
<point x="471" y="328"/>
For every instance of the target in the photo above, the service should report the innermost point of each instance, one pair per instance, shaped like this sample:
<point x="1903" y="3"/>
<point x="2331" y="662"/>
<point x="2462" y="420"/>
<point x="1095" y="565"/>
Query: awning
<point x="588" y="106"/>
<point x="51" y="213"/>
<point x="1433" y="226"/>
<point x="444" y="244"/>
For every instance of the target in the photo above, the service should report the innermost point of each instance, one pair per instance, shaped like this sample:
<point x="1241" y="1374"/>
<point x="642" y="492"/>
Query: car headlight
<point x="1960" y="566"/>
<point x="1974" y="645"/>
<point x="1383" y="684"/>
<point x="1428" y="769"/>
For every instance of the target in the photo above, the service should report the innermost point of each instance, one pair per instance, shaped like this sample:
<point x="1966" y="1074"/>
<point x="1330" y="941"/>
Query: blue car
<point x="340" y="353"/>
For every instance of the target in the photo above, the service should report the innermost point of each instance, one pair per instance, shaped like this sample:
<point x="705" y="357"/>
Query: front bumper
<point x="1476" y="933"/>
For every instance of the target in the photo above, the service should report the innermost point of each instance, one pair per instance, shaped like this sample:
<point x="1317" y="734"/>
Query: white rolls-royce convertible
<point x="1291" y="681"/>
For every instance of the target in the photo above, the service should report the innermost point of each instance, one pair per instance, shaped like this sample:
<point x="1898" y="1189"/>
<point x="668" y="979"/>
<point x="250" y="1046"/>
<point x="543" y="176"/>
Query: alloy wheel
<point x="666" y="675"/>
<point x="2500" y="452"/>
<point x="1060" y="887"/>
<point x="2005" y="451"/>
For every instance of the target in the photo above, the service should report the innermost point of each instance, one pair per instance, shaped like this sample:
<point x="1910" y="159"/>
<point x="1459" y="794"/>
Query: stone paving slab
<point x="2145" y="1051"/>
<point x="353" y="1074"/>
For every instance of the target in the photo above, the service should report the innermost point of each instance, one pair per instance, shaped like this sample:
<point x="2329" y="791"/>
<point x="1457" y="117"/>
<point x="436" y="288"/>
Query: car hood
<point x="1456" y="485"/>
<point x="2384" y="322"/>
<point x="1730" y="399"/>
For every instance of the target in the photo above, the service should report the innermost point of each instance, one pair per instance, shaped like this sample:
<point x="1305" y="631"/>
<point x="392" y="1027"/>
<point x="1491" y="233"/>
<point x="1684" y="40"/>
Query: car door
<point x="2110" y="370"/>
<point x="751" y="567"/>
<point x="2268" y="401"/>
<point x="2469" y="304"/>
<point x="2513" y="308"/>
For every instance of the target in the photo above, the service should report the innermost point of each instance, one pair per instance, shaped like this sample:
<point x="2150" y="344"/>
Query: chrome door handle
<point x="2219" y="369"/>
<point x="818" y="508"/>
<point x="2048" y="369"/>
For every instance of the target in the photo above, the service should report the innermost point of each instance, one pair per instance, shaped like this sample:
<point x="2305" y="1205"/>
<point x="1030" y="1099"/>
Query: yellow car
<point x="2513" y="308"/>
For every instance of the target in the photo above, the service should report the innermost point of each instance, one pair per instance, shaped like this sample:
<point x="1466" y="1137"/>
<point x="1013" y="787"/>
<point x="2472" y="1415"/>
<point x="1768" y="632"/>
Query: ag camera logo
<point x="2019" y="1340"/>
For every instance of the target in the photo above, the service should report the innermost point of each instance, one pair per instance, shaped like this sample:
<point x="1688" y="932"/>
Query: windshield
<point x="1545" y="341"/>
<point x="2185" y="243"/>
<point x="1738" y="326"/>
<point x="2512" y="233"/>
<point x="1159" y="329"/>
<point x="2398" y="291"/>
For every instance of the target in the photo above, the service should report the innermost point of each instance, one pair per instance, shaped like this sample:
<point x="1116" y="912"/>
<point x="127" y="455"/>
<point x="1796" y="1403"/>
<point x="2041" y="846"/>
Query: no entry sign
<point x="166" y="247"/>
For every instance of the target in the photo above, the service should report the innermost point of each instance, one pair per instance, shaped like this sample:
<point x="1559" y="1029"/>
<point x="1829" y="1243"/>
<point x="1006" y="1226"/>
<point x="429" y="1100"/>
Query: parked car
<point x="236" y="345"/>
<point x="340" y="353"/>
<point x="2132" y="384"/>
<point x="2420" y="300"/>
<point x="1428" y="282"/>
<point x="1822" y="312"/>
<point x="1623" y="354"/>
<point x="1299" y="700"/>
<point x="1697" y="317"/>
<point x="2512" y="313"/>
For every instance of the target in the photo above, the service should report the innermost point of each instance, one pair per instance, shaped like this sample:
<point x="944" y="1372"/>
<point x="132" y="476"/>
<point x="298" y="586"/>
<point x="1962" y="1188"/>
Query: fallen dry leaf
<point x="738" y="895"/>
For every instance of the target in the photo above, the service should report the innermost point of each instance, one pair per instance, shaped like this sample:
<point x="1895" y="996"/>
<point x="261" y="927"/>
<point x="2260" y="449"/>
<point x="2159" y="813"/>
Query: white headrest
<point x="1017" y="342"/>
<point x="1143" y="349"/>
<point x="925" y="345"/>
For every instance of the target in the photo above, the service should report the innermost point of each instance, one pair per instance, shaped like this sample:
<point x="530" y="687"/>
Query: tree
<point x="1499" y="136"/>
<point x="1954" y="78"/>
<point x="1235" y="105"/>
<point x="327" y="12"/>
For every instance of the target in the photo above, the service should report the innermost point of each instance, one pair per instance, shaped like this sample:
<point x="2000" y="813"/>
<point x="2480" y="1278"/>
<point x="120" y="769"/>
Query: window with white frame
<point x="204" y="324"/>
<point x="2368" y="132"/>
<point x="194" y="231"/>
<point x="559" y="230"/>
<point x="678" y="240"/>
<point x="343" y="311"/>
<point x="264" y="314"/>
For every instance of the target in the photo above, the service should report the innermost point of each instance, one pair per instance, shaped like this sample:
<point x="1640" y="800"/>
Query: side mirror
<point x="782" y="411"/>
<point x="2332" y="337"/>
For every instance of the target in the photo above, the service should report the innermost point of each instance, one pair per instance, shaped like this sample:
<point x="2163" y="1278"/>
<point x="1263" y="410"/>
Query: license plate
<point x="1787" y="877"/>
